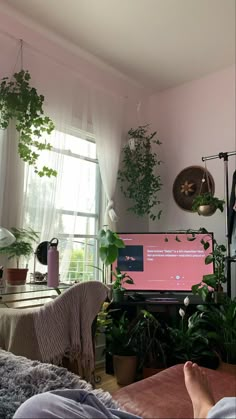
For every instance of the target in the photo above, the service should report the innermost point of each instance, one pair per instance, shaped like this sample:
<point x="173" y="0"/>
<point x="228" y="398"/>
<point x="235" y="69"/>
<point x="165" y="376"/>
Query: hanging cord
<point x="18" y="57"/>
<point x="205" y="178"/>
<point x="21" y="54"/>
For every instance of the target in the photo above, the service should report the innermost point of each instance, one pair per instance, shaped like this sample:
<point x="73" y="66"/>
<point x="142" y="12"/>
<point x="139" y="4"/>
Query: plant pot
<point x="16" y="276"/>
<point x="219" y="297"/>
<point x="118" y="295"/>
<point x="125" y="369"/>
<point x="206" y="210"/>
<point x="230" y="349"/>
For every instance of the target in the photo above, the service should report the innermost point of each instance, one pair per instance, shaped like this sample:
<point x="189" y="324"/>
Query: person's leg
<point x="198" y="390"/>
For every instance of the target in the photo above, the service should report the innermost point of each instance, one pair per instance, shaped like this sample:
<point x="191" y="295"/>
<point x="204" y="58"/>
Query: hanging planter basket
<point x="206" y="210"/>
<point x="21" y="103"/>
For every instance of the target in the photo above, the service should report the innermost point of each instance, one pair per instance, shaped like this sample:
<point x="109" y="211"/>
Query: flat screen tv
<point x="164" y="262"/>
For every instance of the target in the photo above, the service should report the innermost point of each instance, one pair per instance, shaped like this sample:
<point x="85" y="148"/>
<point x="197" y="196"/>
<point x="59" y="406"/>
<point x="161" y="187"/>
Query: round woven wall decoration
<point x="189" y="183"/>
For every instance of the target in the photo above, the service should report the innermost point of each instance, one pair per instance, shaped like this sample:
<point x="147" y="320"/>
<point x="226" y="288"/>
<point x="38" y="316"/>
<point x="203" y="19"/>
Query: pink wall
<point x="194" y="120"/>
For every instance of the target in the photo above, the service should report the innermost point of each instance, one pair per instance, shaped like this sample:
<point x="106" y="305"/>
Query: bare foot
<point x="198" y="390"/>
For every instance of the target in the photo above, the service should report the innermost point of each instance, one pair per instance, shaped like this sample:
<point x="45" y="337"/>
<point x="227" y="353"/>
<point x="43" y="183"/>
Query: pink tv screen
<point x="164" y="262"/>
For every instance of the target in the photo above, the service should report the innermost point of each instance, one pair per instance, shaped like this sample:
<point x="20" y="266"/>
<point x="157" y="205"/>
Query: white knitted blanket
<point x="62" y="327"/>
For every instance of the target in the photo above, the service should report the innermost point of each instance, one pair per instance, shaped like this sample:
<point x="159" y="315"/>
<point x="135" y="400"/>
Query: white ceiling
<point x="158" y="43"/>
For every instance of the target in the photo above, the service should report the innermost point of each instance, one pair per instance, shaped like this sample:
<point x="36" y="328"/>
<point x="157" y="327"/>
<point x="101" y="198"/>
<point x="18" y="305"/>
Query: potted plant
<point x="22" y="247"/>
<point x="118" y="289"/>
<point x="187" y="343"/>
<point x="121" y="348"/>
<point x="218" y="324"/>
<point x="207" y="204"/>
<point x="138" y="179"/>
<point x="150" y="339"/>
<point x="212" y="283"/>
<point x="21" y="103"/>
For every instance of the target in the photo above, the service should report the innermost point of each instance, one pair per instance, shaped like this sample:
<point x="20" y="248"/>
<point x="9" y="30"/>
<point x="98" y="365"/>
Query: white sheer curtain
<point x="107" y="120"/>
<point x="27" y="200"/>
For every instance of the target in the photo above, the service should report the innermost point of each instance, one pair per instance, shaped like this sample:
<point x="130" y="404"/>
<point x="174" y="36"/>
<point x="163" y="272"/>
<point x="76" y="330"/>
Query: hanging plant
<point x="21" y="103"/>
<point x="137" y="177"/>
<point x="207" y="204"/>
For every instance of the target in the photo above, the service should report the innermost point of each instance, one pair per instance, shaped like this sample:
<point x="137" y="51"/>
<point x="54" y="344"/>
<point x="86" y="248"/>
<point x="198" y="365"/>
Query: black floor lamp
<point x="225" y="156"/>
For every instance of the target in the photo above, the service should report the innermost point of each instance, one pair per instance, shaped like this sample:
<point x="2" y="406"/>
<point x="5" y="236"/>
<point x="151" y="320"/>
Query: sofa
<point x="164" y="395"/>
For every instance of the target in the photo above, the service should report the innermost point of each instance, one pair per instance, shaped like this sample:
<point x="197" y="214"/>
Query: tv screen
<point x="164" y="261"/>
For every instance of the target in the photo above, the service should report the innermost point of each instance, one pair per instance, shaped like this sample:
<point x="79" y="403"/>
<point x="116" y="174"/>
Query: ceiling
<point x="157" y="43"/>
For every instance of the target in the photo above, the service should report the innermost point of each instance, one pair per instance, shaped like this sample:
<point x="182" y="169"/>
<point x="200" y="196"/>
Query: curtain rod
<point x="222" y="155"/>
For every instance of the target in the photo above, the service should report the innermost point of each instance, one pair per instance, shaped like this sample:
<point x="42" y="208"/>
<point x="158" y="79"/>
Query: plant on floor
<point x="187" y="343"/>
<point x="218" y="324"/>
<point x="149" y="338"/>
<point x="117" y="333"/>
<point x="207" y="199"/>
<point x="21" y="103"/>
<point x="138" y="179"/>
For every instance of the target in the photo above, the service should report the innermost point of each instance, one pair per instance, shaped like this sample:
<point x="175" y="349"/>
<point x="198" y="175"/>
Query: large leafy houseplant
<point x="150" y="339"/>
<point x="20" y="102"/>
<point x="138" y="179"/>
<point x="218" y="324"/>
<point x="121" y="348"/>
<point x="187" y="343"/>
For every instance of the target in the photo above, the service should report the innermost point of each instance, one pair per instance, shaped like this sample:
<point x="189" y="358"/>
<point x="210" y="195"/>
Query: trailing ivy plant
<point x="21" y="103"/>
<point x="137" y="177"/>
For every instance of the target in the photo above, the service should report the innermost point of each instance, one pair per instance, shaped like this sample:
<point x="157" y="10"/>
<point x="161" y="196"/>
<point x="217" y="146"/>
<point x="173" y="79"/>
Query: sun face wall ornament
<point x="188" y="183"/>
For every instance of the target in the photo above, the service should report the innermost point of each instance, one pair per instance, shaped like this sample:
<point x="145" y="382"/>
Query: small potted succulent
<point x="206" y="204"/>
<point x="21" y="247"/>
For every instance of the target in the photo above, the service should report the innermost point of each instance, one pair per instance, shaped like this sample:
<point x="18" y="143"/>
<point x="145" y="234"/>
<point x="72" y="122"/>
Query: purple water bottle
<point x="53" y="264"/>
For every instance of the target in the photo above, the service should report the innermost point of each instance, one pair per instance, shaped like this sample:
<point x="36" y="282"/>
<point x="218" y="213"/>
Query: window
<point x="67" y="207"/>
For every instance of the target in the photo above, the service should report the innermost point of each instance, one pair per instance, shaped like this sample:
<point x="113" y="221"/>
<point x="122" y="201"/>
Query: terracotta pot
<point x="206" y="210"/>
<point x="125" y="369"/>
<point x="16" y="276"/>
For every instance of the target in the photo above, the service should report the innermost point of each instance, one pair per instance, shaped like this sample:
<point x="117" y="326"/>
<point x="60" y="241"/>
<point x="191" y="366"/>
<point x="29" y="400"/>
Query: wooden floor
<point x="107" y="382"/>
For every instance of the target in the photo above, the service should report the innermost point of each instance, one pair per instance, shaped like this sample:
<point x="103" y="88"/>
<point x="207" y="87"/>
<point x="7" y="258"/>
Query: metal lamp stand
<point x="229" y="260"/>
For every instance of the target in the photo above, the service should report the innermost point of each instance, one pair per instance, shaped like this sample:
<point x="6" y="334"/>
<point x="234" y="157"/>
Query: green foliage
<point x="22" y="245"/>
<point x="118" y="336"/>
<point x="215" y="280"/>
<point x="208" y="199"/>
<point x="121" y="279"/>
<point x="187" y="342"/>
<point x="218" y="324"/>
<point x="109" y="243"/>
<point x="21" y="102"/>
<point x="150" y="340"/>
<point x="137" y="177"/>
